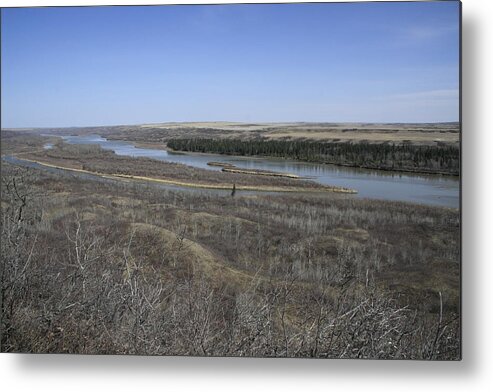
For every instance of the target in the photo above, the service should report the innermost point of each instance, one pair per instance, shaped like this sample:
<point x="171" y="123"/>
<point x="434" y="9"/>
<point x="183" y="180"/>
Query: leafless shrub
<point x="295" y="277"/>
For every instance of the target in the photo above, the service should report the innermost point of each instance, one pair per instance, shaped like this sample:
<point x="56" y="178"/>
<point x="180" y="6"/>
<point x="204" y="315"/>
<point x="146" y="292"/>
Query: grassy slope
<point x="309" y="250"/>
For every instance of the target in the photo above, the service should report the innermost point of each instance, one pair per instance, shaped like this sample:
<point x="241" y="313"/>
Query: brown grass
<point x="156" y="135"/>
<point x="177" y="273"/>
<point x="94" y="160"/>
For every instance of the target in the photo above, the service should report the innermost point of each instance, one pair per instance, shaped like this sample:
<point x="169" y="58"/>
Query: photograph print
<point x="234" y="180"/>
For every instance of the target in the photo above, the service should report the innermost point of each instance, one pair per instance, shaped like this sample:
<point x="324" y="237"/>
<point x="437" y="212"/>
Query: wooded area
<point x="442" y="159"/>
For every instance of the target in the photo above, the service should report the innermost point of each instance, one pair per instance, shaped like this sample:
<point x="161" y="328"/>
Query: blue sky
<point x="353" y="62"/>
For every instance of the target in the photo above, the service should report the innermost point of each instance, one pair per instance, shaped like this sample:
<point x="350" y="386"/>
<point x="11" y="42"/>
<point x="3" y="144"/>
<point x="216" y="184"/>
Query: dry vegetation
<point x="113" y="268"/>
<point x="158" y="134"/>
<point x="94" y="159"/>
<point x="22" y="142"/>
<point x="422" y="134"/>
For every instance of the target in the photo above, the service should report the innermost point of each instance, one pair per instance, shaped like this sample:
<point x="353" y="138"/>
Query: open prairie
<point x="421" y="134"/>
<point x="397" y="133"/>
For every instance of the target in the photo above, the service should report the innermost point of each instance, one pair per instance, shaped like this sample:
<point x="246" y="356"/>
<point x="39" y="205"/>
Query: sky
<point x="339" y="62"/>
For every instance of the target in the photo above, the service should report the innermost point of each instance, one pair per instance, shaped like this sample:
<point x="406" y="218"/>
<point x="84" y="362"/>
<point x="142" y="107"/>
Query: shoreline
<point x="192" y="184"/>
<point x="164" y="147"/>
<point x="381" y="169"/>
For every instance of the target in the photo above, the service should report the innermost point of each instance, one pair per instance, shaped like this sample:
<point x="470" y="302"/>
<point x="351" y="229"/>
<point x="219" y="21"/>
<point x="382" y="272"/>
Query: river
<point x="375" y="184"/>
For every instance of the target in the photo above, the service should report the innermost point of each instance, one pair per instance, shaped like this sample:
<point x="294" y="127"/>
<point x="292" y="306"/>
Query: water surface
<point x="375" y="184"/>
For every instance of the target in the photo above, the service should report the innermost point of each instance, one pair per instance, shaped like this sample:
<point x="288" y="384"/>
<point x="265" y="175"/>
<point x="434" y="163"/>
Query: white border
<point x="87" y="374"/>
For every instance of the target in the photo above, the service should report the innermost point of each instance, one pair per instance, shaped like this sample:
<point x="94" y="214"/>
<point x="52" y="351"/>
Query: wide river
<point x="375" y="184"/>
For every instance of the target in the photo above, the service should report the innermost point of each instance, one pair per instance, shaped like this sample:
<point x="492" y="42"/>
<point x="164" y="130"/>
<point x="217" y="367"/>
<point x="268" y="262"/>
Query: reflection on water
<point x="425" y="189"/>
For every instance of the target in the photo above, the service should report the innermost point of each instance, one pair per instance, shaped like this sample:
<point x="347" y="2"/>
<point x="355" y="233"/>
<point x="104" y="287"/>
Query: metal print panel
<point x="261" y="180"/>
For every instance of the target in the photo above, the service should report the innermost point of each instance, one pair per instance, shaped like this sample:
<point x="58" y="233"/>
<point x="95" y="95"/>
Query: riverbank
<point x="257" y="188"/>
<point x="258" y="172"/>
<point x="438" y="159"/>
<point x="391" y="170"/>
<point x="426" y="189"/>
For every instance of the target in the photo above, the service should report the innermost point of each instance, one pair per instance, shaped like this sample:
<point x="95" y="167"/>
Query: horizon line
<point x="237" y="122"/>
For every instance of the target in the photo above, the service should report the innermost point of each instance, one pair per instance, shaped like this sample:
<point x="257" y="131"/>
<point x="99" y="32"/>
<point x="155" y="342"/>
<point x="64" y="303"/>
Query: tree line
<point x="440" y="158"/>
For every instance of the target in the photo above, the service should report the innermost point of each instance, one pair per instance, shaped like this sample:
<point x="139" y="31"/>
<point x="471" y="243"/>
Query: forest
<point x="438" y="159"/>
